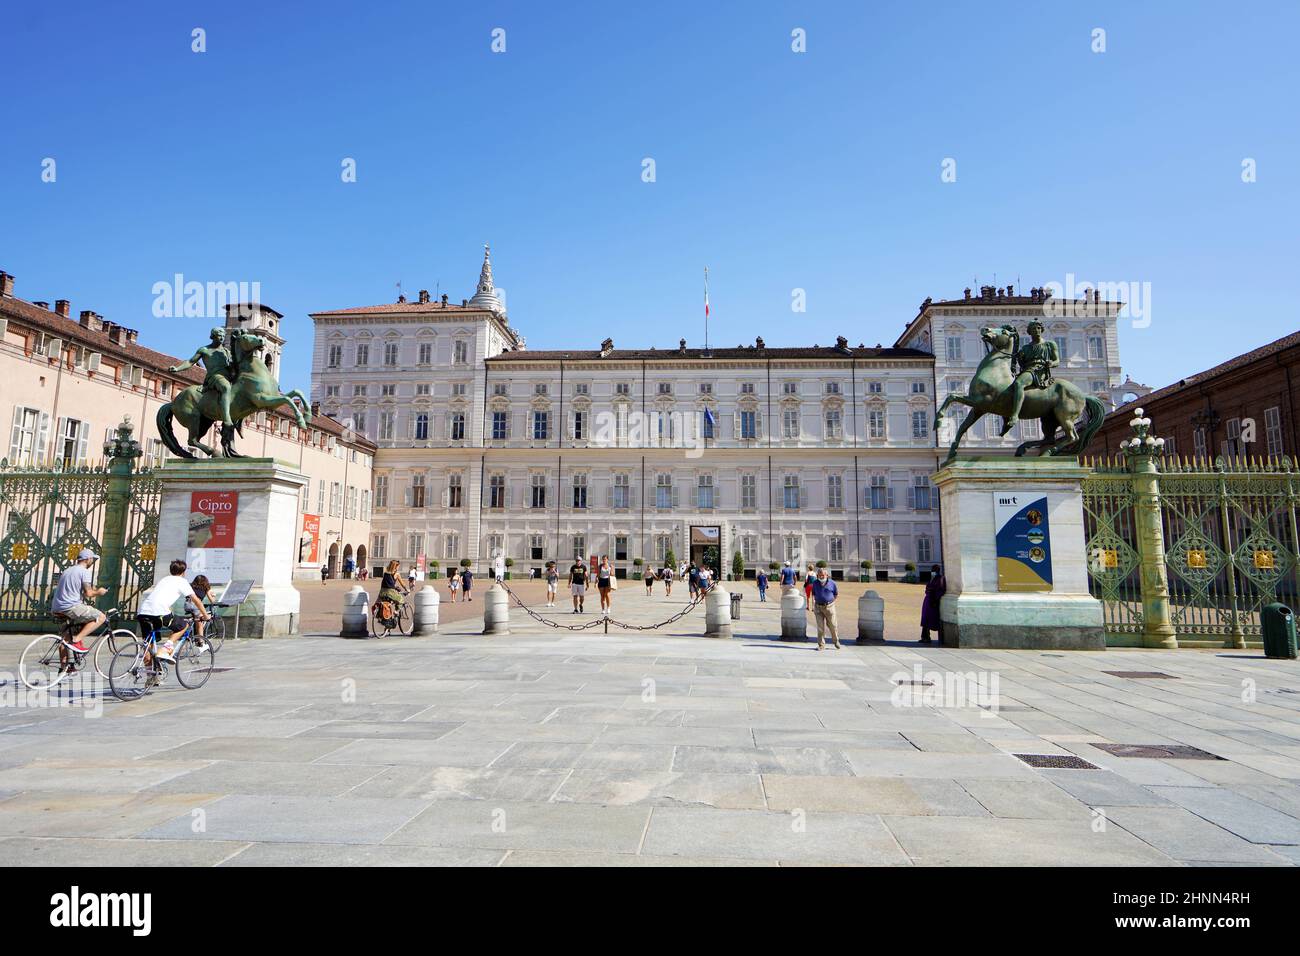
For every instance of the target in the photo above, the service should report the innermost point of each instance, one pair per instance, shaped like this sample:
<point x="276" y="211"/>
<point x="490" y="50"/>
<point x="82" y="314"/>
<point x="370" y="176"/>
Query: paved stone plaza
<point x="661" y="747"/>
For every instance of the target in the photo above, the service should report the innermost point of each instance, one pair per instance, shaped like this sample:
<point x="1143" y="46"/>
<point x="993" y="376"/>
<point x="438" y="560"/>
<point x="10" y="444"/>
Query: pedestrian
<point x="824" y="593"/>
<point x="324" y="574"/>
<point x="787" y="575"/>
<point x="649" y="581"/>
<point x="667" y="575"/>
<point x="578" y="585"/>
<point x="693" y="582"/>
<point x="552" y="582"/>
<point x="762" y="585"/>
<point x="348" y="565"/>
<point x="499" y="568"/>
<point x="935" y="589"/>
<point x="467" y="583"/>
<point x="808" y="579"/>
<point x="604" y="578"/>
<point x="453" y="585"/>
<point x="410" y="577"/>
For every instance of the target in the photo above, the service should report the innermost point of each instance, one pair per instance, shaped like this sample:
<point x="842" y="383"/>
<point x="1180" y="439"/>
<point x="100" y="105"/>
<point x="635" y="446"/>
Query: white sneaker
<point x="164" y="652"/>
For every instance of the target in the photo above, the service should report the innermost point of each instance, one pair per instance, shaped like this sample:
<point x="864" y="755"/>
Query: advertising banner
<point x="210" y="548"/>
<point x="309" y="550"/>
<point x="1024" y="541"/>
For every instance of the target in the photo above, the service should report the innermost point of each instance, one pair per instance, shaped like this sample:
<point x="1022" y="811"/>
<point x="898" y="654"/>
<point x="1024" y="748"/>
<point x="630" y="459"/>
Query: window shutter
<point x="446" y="497"/>
<point x="509" y="496"/>
<point x="758" y="424"/>
<point x="16" y="435"/>
<point x="43" y="437"/>
<point x="408" y="495"/>
<point x="911" y="497"/>
<point x="83" y="441"/>
<point x="889" y="497"/>
<point x="803" y="496"/>
<point x="609" y="496"/>
<point x="735" y="425"/>
<point x="675" y="498"/>
<point x="54" y="349"/>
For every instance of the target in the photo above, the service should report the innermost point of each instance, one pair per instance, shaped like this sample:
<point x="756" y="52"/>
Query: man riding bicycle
<point x="74" y="596"/>
<point x="155" y="611"/>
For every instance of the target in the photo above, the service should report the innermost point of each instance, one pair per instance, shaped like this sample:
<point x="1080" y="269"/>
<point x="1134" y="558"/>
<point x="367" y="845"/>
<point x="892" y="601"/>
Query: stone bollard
<point x="496" y="610"/>
<point x="794" y="617"/>
<point x="717" y="614"/>
<point x="871" y="617"/>
<point x="356" y="613"/>
<point x="426" y="611"/>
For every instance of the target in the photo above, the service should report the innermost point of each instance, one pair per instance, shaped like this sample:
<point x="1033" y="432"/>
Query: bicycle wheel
<point x="194" y="665"/>
<point x="405" y="620"/>
<point x="107" y="646"/>
<point x="376" y="629"/>
<point x="42" y="666"/>
<point x="128" y="675"/>
<point x="215" y="632"/>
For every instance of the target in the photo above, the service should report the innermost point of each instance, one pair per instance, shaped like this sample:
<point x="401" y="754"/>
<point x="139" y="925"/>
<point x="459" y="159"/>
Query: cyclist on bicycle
<point x="390" y="588"/>
<point x="203" y="595"/>
<point x="74" y="595"/>
<point x="156" y="605"/>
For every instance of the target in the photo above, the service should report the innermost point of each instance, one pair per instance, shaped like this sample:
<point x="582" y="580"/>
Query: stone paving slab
<point x="657" y="748"/>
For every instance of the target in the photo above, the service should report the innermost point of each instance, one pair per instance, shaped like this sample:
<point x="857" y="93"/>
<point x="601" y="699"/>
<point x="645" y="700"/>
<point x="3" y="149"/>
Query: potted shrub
<point x="670" y="559"/>
<point x="637" y="563"/>
<point x="866" y="571"/>
<point x="821" y="564"/>
<point x="510" y="563"/>
<point x="433" y="569"/>
<point x="773" y="566"/>
<point x="465" y="562"/>
<point x="910" y="577"/>
<point x="737" y="566"/>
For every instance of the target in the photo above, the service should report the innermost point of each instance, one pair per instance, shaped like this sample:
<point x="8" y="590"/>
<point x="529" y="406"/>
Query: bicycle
<point x="137" y="669"/>
<point x="215" y="632"/>
<point x="399" y="619"/>
<point x="50" y="658"/>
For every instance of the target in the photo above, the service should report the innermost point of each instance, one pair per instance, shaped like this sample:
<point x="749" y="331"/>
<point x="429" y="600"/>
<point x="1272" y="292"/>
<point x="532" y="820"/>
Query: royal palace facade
<point x="809" y="453"/>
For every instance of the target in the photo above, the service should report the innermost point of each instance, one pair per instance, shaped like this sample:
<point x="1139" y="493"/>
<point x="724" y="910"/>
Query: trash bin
<point x="735" y="611"/>
<point x="1278" y="625"/>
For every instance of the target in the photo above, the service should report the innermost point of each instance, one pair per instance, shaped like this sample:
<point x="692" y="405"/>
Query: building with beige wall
<point x="66" y="383"/>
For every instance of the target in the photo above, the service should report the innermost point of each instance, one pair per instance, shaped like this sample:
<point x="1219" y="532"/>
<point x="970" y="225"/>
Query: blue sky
<point x="780" y="171"/>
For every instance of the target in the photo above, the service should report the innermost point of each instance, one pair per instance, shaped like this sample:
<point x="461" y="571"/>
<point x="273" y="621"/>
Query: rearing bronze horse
<point x="254" y="389"/>
<point x="1057" y="406"/>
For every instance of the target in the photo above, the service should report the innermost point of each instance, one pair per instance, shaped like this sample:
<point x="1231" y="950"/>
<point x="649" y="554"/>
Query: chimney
<point x="424" y="296"/>
<point x="131" y="334"/>
<point x="967" y="291"/>
<point x="464" y="302"/>
<point x="114" y="332"/>
<point x="42" y="305"/>
<point x="444" y="300"/>
<point x="89" y="320"/>
<point x="63" y="307"/>
<point x="6" y="284"/>
<point x="315" y="409"/>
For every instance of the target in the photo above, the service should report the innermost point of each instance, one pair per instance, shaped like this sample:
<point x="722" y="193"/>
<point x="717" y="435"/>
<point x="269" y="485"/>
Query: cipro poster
<point x="210" y="549"/>
<point x="1024" y="541"/>
<point x="309" y="552"/>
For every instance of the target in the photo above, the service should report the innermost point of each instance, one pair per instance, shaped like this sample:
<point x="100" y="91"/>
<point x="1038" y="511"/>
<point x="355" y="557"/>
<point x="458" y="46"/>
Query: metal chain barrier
<point x="604" y="619"/>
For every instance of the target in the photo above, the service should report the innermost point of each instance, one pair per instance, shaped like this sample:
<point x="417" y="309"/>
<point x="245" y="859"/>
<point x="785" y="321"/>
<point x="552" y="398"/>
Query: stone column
<point x="426" y="604"/>
<point x="1157" y="624"/>
<point x="356" y="613"/>
<point x="717" y="613"/>
<point x="871" y="617"/>
<point x="794" y="616"/>
<point x="496" y="610"/>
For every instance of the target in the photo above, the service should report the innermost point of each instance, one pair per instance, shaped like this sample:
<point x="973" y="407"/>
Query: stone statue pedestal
<point x="974" y="612"/>
<point x="265" y="533"/>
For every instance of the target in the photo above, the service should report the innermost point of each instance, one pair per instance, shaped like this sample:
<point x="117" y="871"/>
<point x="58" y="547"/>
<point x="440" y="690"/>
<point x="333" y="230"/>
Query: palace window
<point x="390" y="354"/>
<point x="748" y="425"/>
<point x="834" y="425"/>
<point x="381" y="491"/>
<point x="452" y="541"/>
<point x="880" y="549"/>
<point x="622" y="492"/>
<point x="954" y="348"/>
<point x="579" y="426"/>
<point x="924" y="550"/>
<point x="580" y="490"/>
<point x="837" y="547"/>
<point x="536" y="547"/>
<point x="460" y="352"/>
<point x="920" y="493"/>
<point x="1272" y="432"/>
<point x="457" y="427"/>
<point x="363" y="355"/>
<point x="704" y="499"/>
<point x="790" y="423"/>
<point x="537" y="487"/>
<point x="876" y="423"/>
<point x="835" y="492"/>
<point x="920" y="424"/>
<point x="497" y="491"/>
<point x="1096" y="348"/>
<point x="541" y="426"/>
<point x="421" y="432"/>
<point x="500" y="426"/>
<point x="414" y="544"/>
<point x="620" y="547"/>
<point x="748" y="492"/>
<point x="426" y="353"/>
<point x="664" y="492"/>
<point x="417" y="490"/>
<point x="386" y="423"/>
<point x="790" y="493"/>
<point x="879" y="494"/>
<point x="455" y="491"/>
<point x="335" y="356"/>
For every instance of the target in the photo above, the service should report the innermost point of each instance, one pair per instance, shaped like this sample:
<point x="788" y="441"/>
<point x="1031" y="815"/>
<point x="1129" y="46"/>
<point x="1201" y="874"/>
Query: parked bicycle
<point x="51" y="658"/>
<point x="136" y="669"/>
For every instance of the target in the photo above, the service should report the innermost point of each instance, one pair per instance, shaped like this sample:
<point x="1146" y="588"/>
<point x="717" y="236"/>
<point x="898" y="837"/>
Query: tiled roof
<point x="1200" y="378"/>
<point x="748" y="353"/>
<point x="72" y="330"/>
<point x="981" y="304"/>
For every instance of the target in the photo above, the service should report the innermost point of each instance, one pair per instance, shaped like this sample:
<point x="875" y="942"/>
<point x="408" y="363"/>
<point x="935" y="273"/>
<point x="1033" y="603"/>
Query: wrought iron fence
<point x="49" y="514"/>
<point x="1229" y="537"/>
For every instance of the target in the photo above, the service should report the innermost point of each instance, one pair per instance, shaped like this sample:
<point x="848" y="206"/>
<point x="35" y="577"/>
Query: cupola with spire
<point x="486" y="295"/>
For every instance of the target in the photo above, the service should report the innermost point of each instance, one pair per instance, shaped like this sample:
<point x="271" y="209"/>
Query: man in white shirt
<point x="156" y="606"/>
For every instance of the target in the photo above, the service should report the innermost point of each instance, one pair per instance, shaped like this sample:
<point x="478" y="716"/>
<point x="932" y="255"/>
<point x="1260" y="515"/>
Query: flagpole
<point x="706" y="310"/>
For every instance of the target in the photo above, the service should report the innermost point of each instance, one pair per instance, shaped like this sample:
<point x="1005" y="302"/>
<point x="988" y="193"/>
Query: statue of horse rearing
<point x="253" y="390"/>
<point x="1058" y="406"/>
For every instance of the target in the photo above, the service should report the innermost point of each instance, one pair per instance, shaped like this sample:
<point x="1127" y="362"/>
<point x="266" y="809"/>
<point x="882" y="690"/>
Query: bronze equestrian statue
<point x="237" y="384"/>
<point x="1017" y="383"/>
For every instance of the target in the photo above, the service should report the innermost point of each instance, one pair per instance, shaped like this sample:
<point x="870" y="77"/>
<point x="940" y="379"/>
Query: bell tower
<point x="260" y="320"/>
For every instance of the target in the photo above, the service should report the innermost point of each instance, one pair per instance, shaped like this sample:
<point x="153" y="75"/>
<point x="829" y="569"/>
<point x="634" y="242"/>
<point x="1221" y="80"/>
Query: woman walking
<point x="604" y="580"/>
<point x="552" y="583"/>
<point x="667" y="575"/>
<point x="453" y="585"/>
<point x="935" y="589"/>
